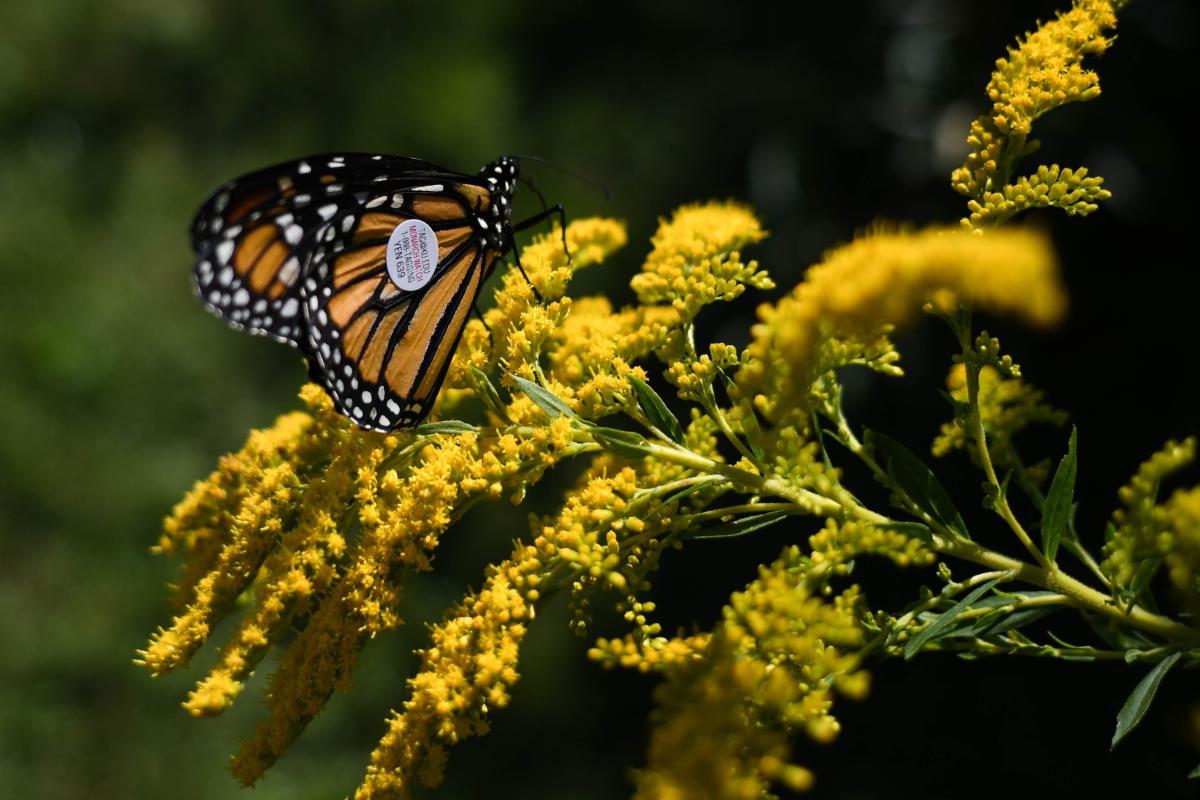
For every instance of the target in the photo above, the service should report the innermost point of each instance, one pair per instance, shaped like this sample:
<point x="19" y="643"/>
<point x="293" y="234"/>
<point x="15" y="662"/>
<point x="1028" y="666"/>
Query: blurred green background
<point x="117" y="390"/>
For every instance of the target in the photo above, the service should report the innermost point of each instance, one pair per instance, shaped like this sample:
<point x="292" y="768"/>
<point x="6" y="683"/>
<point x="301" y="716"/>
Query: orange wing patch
<point x="439" y="318"/>
<point x="345" y="304"/>
<point x="437" y="208"/>
<point x="377" y="225"/>
<point x="258" y="258"/>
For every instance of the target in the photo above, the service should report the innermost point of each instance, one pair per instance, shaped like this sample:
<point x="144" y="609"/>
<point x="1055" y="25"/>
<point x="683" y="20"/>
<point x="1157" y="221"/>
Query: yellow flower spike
<point x="252" y="534"/>
<point x="1042" y="72"/>
<point x="838" y="543"/>
<point x="1183" y="562"/>
<point x="695" y="260"/>
<point x="1147" y="531"/>
<point x="883" y="279"/>
<point x="725" y="714"/>
<point x="590" y="242"/>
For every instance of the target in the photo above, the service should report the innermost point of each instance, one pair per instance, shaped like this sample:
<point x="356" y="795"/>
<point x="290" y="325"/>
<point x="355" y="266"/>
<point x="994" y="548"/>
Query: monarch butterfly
<point x="368" y="264"/>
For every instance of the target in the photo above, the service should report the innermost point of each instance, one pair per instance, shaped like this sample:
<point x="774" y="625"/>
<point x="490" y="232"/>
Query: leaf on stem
<point x="1056" y="511"/>
<point x="941" y="625"/>
<point x="1139" y="701"/>
<point x="446" y="426"/>
<point x="625" y="444"/>
<point x="917" y="481"/>
<point x="739" y="527"/>
<point x="545" y="399"/>
<point x="488" y="394"/>
<point x="656" y="410"/>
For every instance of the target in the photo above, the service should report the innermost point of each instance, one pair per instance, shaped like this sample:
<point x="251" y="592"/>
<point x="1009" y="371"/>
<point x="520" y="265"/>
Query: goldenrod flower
<point x="731" y="702"/>
<point x="696" y="259"/>
<point x="1042" y="72"/>
<point x="883" y="279"/>
<point x="1147" y="532"/>
<point x="314" y="525"/>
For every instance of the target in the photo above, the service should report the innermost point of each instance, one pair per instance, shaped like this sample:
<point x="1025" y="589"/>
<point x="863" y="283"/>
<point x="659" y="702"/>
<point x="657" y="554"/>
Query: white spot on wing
<point x="289" y="271"/>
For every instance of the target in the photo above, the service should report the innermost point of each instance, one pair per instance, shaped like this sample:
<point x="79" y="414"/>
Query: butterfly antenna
<point x="575" y="175"/>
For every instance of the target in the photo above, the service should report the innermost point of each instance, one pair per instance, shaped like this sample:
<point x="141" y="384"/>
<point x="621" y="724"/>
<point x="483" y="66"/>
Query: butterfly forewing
<point x="382" y="347"/>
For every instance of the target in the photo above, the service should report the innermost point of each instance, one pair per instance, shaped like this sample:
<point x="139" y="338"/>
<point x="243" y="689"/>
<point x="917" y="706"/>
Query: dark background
<point x="118" y="390"/>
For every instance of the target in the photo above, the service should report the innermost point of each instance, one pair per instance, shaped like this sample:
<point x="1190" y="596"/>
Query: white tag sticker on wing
<point x="412" y="254"/>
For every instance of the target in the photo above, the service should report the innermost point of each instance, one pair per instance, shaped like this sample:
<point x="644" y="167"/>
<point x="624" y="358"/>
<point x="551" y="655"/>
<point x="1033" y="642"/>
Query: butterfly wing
<point x="254" y="236"/>
<point x="382" y="350"/>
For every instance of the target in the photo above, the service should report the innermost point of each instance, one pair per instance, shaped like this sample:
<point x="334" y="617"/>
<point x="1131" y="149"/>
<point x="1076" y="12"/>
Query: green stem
<point x="975" y="425"/>
<point x="1079" y="594"/>
<point x="1048" y="576"/>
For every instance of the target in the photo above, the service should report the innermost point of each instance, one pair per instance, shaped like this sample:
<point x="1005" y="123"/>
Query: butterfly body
<point x="369" y="264"/>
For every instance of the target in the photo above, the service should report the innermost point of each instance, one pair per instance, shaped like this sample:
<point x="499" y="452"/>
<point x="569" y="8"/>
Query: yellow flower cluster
<point x="726" y="713"/>
<point x="314" y="525"/>
<point x="1146" y="531"/>
<point x="690" y="377"/>
<point x="695" y="260"/>
<point x="1183" y="562"/>
<point x="397" y="524"/>
<point x="841" y="541"/>
<point x="323" y="520"/>
<point x="884" y="279"/>
<point x="1043" y="72"/>
<point x="465" y="672"/>
<point x="1006" y="407"/>
<point x="1074" y="191"/>
<point x="522" y="329"/>
<point x="595" y="542"/>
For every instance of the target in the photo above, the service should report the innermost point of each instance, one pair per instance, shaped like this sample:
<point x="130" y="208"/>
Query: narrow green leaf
<point x="1139" y="701"/>
<point x="942" y="623"/>
<point x="446" y="426"/>
<point x="918" y="482"/>
<point x="739" y="527"/>
<point x="656" y="410"/>
<point x="625" y="444"/>
<point x="545" y="399"/>
<point x="1056" y="511"/>
<point x="750" y="427"/>
<point x="679" y="496"/>
<point x="1194" y="774"/>
<point x="1142" y="577"/>
<point x="488" y="393"/>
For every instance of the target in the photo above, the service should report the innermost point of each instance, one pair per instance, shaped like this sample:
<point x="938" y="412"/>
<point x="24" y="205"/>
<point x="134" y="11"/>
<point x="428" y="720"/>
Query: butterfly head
<point x="501" y="176"/>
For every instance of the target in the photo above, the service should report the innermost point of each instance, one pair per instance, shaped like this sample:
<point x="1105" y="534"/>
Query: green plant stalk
<point x="975" y="424"/>
<point x="1047" y="576"/>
